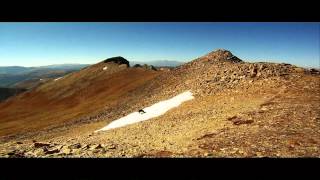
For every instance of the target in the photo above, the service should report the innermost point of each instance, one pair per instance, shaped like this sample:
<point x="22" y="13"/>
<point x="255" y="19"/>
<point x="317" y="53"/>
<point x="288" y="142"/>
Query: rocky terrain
<point x="240" y="109"/>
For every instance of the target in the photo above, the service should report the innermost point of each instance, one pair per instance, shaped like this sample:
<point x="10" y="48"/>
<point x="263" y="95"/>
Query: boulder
<point x="65" y="150"/>
<point x="96" y="146"/>
<point x="52" y="151"/>
<point x="314" y="71"/>
<point x="17" y="153"/>
<point x="41" y="144"/>
<point x="137" y="65"/>
<point x="238" y="121"/>
<point x="150" y="67"/>
<point x="299" y="70"/>
<point x="75" y="146"/>
<point x="253" y="71"/>
<point x="112" y="146"/>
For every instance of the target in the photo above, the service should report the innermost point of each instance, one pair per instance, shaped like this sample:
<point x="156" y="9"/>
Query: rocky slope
<point x="240" y="109"/>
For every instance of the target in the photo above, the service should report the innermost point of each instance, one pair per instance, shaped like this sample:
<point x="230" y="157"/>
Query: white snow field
<point x="150" y="112"/>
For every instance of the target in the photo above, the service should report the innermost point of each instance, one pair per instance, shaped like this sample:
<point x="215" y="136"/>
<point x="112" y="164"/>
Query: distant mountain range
<point x="22" y="70"/>
<point x="66" y="66"/>
<point x="11" y="75"/>
<point x="13" y="69"/>
<point x="15" y="76"/>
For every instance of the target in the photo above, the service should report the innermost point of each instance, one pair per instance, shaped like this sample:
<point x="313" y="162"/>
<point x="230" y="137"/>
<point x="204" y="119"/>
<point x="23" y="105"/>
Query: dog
<point x="141" y="111"/>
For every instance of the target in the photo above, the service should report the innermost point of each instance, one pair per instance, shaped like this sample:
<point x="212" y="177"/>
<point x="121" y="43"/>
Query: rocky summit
<point x="117" y="60"/>
<point x="221" y="55"/>
<point x="240" y="109"/>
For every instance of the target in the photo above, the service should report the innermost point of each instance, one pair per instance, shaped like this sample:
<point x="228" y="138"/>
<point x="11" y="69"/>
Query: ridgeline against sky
<point x="36" y="44"/>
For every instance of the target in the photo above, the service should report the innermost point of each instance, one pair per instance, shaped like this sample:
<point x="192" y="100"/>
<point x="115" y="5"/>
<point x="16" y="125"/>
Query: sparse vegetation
<point x="240" y="109"/>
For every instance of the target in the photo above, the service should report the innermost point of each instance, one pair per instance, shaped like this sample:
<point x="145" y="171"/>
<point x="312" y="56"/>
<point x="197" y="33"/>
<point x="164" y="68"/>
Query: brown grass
<point x="72" y="97"/>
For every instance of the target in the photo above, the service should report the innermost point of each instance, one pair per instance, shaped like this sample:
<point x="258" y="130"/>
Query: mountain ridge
<point x="240" y="109"/>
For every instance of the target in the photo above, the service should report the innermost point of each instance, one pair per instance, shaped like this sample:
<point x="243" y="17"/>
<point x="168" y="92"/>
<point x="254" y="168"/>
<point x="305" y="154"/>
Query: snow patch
<point x="155" y="110"/>
<point x="57" y="79"/>
<point x="105" y="68"/>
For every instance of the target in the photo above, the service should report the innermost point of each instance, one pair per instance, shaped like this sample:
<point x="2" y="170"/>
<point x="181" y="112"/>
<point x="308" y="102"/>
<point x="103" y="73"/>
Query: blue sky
<point x="35" y="44"/>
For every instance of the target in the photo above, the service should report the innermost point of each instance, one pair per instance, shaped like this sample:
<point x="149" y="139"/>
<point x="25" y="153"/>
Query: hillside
<point x="239" y="109"/>
<point x="71" y="98"/>
<point x="31" y="83"/>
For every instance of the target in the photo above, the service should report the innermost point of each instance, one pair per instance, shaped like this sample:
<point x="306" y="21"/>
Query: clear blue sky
<point x="34" y="44"/>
